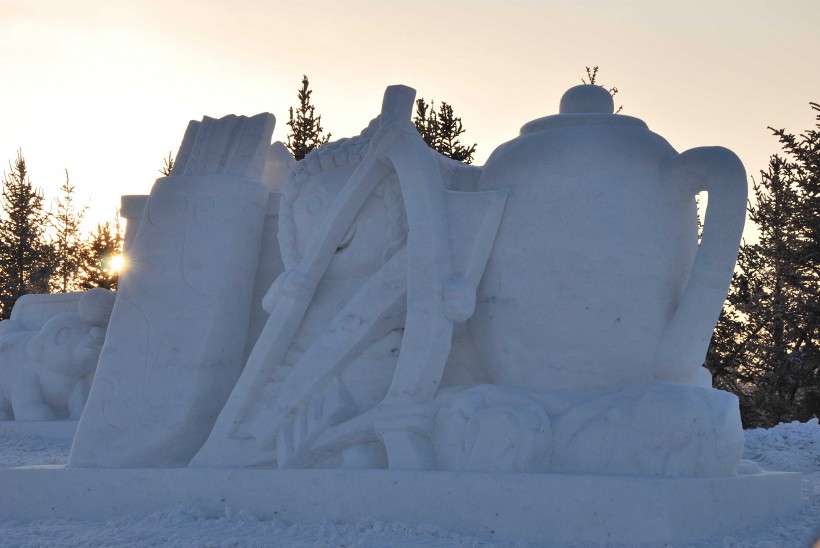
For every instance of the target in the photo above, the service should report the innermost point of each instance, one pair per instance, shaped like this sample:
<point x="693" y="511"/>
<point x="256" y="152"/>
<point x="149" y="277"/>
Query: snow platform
<point x="51" y="430"/>
<point x="534" y="507"/>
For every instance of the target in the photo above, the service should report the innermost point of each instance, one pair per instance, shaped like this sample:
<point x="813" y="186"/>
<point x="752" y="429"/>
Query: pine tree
<point x="104" y="250"/>
<point x="25" y="254"/>
<point x="305" y="127"/>
<point x="426" y="122"/>
<point x="766" y="347"/>
<point x="69" y="249"/>
<point x="441" y="130"/>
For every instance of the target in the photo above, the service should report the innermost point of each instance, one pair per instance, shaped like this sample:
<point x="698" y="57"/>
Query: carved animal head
<point x="67" y="344"/>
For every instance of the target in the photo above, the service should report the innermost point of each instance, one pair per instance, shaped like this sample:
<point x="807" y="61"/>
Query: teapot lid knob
<point x="587" y="99"/>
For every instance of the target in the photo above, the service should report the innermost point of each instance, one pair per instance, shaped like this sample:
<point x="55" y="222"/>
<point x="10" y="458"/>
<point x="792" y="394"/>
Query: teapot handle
<point x="685" y="340"/>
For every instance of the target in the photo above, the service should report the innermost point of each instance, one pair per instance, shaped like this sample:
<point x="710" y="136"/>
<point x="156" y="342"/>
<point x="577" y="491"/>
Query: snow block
<point x="508" y="507"/>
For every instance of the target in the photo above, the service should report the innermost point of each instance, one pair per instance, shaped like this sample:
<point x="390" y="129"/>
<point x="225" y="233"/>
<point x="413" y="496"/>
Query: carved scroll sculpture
<point x="177" y="334"/>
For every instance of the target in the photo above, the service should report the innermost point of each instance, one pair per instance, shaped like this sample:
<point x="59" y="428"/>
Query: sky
<point x="105" y="89"/>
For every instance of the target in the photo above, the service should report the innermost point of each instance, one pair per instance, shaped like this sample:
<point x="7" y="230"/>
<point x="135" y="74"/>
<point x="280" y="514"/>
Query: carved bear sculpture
<point x="46" y="374"/>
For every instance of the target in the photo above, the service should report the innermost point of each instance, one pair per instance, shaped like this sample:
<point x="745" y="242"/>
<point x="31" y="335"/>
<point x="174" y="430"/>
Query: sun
<point x="116" y="264"/>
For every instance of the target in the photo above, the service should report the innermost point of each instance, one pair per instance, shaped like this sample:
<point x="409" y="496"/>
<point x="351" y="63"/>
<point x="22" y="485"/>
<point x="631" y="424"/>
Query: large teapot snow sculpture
<point x="596" y="282"/>
<point x="596" y="286"/>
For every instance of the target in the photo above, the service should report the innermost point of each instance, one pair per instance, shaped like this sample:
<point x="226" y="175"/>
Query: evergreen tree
<point x="104" y="250"/>
<point x="766" y="347"/>
<point x="69" y="249"/>
<point x="441" y="130"/>
<point x="25" y="254"/>
<point x="426" y="122"/>
<point x="305" y="127"/>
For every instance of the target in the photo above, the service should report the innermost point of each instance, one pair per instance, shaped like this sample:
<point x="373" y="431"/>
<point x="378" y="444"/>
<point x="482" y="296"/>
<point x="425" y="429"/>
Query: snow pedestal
<point x="50" y="430"/>
<point x="534" y="507"/>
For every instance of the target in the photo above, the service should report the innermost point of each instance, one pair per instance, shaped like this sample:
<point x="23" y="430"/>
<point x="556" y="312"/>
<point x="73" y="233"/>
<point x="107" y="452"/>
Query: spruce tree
<point x="26" y="257"/>
<point x="69" y="249"/>
<point x="305" y="127"/>
<point x="104" y="248"/>
<point x="766" y="347"/>
<point x="441" y="130"/>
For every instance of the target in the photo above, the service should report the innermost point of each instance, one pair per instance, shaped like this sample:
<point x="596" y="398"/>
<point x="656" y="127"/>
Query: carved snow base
<point x="534" y="507"/>
<point x="51" y="430"/>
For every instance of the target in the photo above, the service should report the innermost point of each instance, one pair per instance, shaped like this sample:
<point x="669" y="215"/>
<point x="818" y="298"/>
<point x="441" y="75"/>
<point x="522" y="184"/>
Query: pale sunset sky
<point x="106" y="88"/>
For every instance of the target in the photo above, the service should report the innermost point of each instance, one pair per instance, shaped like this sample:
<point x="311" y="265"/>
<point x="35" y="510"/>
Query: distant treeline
<point x="45" y="250"/>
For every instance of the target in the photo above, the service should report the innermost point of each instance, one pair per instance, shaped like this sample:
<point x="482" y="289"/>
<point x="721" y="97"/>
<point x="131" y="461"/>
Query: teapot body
<point x="591" y="259"/>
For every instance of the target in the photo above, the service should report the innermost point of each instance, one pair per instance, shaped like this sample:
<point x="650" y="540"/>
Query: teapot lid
<point x="584" y="104"/>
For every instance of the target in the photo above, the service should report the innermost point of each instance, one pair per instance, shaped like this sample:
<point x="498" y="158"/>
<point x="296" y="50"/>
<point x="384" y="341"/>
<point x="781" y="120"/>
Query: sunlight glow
<point x="116" y="264"/>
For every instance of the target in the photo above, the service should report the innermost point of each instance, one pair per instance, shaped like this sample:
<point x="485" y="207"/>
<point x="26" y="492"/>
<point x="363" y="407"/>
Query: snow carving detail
<point x="46" y="370"/>
<point x="362" y="319"/>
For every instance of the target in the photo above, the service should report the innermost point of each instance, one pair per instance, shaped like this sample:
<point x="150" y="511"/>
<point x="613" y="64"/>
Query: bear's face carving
<point x="68" y="345"/>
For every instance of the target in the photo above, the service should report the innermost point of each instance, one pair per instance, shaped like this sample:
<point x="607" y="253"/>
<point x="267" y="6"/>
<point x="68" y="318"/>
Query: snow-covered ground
<point x="787" y="447"/>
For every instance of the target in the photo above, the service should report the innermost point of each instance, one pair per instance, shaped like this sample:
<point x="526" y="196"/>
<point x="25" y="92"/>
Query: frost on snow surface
<point x="786" y="447"/>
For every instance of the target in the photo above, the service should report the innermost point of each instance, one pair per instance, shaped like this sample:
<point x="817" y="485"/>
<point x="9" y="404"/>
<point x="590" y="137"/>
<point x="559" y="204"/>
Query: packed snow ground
<point x="787" y="447"/>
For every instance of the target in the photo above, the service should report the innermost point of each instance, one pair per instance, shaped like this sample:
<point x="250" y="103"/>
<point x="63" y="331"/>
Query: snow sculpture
<point x="32" y="311"/>
<point x="277" y="165"/>
<point x="46" y="372"/>
<point x="131" y="209"/>
<point x="597" y="298"/>
<point x="364" y="344"/>
<point x="592" y="320"/>
<point x="175" y="342"/>
<point x="380" y="261"/>
<point x="545" y="315"/>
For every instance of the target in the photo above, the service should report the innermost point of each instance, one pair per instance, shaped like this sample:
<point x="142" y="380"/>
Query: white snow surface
<point x="786" y="447"/>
